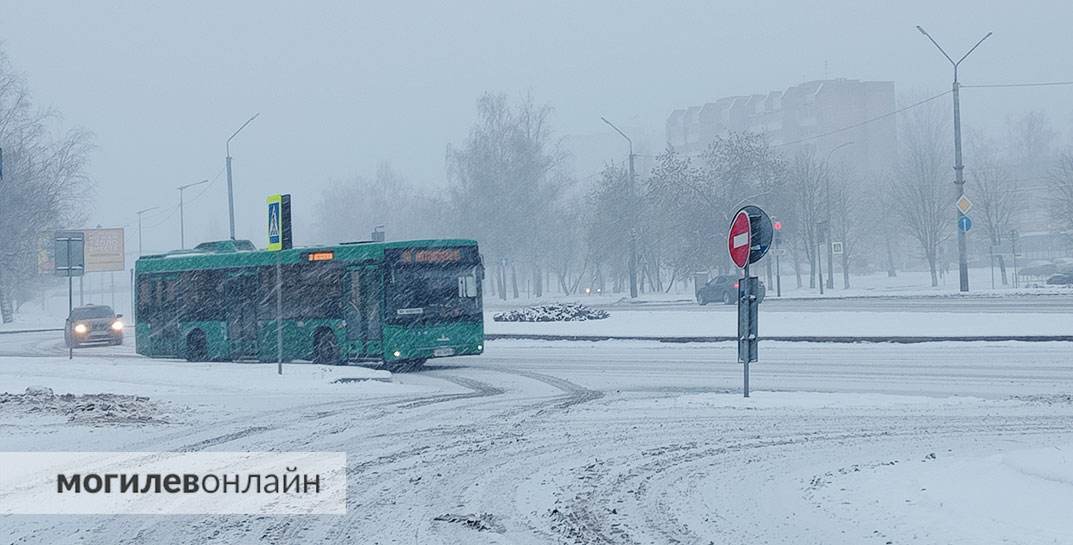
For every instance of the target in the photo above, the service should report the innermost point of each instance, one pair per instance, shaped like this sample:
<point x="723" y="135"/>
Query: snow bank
<point x="816" y="400"/>
<point x="557" y="312"/>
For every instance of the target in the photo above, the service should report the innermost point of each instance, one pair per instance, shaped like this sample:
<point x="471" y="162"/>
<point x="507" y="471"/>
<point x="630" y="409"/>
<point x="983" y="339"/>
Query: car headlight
<point x="81" y="328"/>
<point x="117" y="326"/>
<point x="397" y="353"/>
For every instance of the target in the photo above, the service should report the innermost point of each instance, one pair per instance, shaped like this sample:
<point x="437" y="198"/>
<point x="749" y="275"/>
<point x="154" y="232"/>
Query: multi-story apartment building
<point x="816" y="115"/>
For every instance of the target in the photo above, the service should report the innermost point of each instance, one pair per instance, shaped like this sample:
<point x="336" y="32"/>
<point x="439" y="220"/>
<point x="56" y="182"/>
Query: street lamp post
<point x="182" y="226"/>
<point x="830" y="239"/>
<point x="140" y="212"/>
<point x="632" y="263"/>
<point x="230" y="189"/>
<point x="959" y="178"/>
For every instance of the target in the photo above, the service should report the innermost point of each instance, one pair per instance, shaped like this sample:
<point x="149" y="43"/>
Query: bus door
<point x="162" y="316"/>
<point x="240" y="294"/>
<point x="364" y="300"/>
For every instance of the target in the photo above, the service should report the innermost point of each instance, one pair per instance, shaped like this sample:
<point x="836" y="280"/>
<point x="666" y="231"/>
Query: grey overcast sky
<point x="343" y="85"/>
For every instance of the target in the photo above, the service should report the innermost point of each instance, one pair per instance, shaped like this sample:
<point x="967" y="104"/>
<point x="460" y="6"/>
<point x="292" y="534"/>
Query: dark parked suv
<point x="93" y="324"/>
<point x="723" y="289"/>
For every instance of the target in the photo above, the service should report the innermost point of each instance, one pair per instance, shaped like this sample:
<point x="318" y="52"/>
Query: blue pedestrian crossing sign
<point x="964" y="223"/>
<point x="279" y="222"/>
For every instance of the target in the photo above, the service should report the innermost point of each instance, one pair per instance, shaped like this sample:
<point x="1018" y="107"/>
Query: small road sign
<point x="70" y="253"/>
<point x="964" y="223"/>
<point x="963" y="204"/>
<point x="738" y="241"/>
<point x="279" y="222"/>
<point x="836" y="248"/>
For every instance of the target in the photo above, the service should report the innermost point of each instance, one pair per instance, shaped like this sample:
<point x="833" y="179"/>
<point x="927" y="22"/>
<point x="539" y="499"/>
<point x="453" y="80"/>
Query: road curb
<point x="790" y="339"/>
<point x="14" y="331"/>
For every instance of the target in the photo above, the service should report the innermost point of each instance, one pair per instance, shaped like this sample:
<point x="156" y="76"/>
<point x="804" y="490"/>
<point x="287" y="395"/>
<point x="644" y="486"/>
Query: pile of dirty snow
<point x="557" y="312"/>
<point x="86" y="408"/>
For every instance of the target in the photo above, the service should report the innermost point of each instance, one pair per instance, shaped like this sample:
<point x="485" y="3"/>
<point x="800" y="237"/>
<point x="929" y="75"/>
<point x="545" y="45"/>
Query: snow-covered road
<point x="609" y="442"/>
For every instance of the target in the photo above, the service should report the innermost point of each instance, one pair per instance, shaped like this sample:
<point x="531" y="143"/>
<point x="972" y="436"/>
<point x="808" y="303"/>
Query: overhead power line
<point x="866" y="121"/>
<point x="1030" y="84"/>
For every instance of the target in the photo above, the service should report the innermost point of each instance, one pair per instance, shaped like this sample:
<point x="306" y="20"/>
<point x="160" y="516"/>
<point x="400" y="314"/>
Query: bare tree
<point x="848" y="206"/>
<point x="921" y="187"/>
<point x="42" y="175"/>
<point x="1061" y="185"/>
<point x="808" y="177"/>
<point x="350" y="209"/>
<point x="995" y="192"/>
<point x="506" y="180"/>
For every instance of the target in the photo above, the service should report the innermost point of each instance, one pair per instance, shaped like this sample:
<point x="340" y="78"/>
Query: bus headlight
<point x="81" y="329"/>
<point x="480" y="347"/>
<point x="117" y="326"/>
<point x="397" y="353"/>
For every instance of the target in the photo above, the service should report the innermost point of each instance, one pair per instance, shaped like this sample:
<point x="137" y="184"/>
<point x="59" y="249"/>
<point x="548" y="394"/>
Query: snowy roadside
<point x="111" y="385"/>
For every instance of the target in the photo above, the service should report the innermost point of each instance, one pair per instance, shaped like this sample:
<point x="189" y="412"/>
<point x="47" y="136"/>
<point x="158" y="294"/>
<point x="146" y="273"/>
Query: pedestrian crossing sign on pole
<point x="279" y="222"/>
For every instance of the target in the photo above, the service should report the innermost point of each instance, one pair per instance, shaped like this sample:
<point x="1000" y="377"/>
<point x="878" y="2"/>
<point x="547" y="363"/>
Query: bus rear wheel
<point x="196" y="346"/>
<point x="325" y="349"/>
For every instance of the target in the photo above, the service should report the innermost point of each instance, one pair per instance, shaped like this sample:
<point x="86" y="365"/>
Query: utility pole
<point x="140" y="212"/>
<point x="819" y="259"/>
<point x="830" y="239"/>
<point x="230" y="187"/>
<point x="959" y="178"/>
<point x="182" y="226"/>
<point x="632" y="263"/>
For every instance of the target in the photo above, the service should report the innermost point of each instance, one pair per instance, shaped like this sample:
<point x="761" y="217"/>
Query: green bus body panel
<point x="372" y="252"/>
<point x="419" y="342"/>
<point x="412" y="342"/>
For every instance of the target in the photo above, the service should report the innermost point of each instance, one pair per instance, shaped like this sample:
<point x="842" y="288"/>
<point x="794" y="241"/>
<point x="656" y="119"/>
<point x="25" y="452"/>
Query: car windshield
<point x="91" y="313"/>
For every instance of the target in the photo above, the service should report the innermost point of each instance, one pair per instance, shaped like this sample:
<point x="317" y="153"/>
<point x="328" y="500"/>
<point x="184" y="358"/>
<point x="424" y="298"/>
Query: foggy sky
<point x="343" y="85"/>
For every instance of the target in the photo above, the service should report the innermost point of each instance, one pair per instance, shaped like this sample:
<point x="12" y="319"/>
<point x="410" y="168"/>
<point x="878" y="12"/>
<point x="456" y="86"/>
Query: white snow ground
<point x="608" y="442"/>
<point x="722" y="321"/>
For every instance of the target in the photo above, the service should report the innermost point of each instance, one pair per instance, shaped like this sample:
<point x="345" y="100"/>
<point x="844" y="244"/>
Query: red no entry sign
<point x="739" y="241"/>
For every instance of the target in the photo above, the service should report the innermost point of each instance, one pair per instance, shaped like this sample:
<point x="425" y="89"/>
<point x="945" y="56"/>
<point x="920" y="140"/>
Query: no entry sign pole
<point x="750" y="238"/>
<point x="743" y="302"/>
<point x="739" y="243"/>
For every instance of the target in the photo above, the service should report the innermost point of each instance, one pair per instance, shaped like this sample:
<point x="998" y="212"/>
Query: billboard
<point x="103" y="251"/>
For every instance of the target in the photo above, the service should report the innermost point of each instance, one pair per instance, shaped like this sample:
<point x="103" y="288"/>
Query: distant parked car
<point x="1061" y="279"/>
<point x="723" y="289"/>
<point x="93" y="324"/>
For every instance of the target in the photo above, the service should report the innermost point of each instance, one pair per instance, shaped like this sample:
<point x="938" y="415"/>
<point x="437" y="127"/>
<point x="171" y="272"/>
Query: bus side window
<point x="373" y="290"/>
<point x="145" y="298"/>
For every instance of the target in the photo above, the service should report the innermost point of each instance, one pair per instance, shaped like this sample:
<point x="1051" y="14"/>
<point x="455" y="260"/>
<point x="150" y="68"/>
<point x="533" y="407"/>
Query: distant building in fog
<point x="797" y="118"/>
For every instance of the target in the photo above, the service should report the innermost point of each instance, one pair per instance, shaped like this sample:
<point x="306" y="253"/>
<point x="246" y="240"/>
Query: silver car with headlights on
<point x="93" y="324"/>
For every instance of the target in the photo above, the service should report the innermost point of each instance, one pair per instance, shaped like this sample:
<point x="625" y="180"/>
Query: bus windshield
<point x="434" y="293"/>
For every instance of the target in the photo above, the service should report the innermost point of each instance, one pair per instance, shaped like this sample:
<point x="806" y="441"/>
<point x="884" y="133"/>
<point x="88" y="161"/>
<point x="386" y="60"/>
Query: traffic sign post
<point x="749" y="239"/>
<point x="778" y="252"/>
<point x="279" y="238"/>
<point x="70" y="262"/>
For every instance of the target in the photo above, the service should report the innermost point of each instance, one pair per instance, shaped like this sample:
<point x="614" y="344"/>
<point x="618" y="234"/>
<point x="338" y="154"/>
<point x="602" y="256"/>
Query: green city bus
<point x="396" y="303"/>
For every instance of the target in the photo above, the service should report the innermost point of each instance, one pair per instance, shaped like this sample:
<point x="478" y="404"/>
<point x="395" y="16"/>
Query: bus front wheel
<point x="325" y="349"/>
<point x="196" y="346"/>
